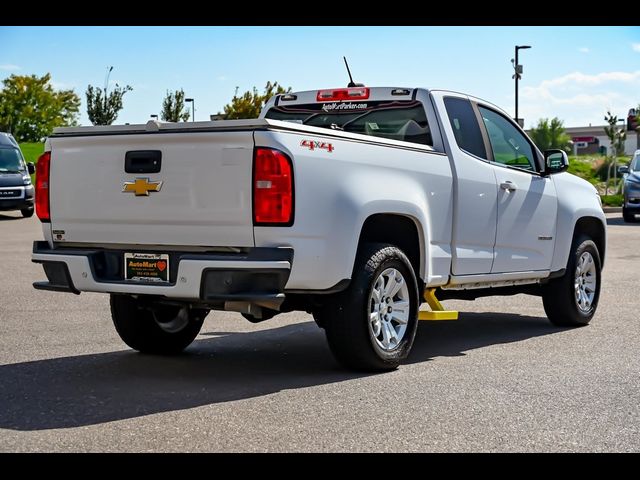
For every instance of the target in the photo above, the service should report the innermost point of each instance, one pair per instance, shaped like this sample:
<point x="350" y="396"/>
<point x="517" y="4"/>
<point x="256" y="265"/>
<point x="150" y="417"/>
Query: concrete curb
<point x="612" y="209"/>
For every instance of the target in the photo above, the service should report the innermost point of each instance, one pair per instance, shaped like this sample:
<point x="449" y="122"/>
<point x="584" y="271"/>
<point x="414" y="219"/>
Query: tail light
<point x="338" y="94"/>
<point x="272" y="188"/>
<point x="42" y="187"/>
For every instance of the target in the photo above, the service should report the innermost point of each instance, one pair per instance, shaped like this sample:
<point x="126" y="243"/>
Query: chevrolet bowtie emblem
<point x="141" y="187"/>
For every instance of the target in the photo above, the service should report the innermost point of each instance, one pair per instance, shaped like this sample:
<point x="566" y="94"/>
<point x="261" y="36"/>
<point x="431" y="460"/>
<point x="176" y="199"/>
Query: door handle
<point x="508" y="186"/>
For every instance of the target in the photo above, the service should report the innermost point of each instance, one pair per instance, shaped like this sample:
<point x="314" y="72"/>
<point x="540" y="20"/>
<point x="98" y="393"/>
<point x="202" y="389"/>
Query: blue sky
<point x="575" y="73"/>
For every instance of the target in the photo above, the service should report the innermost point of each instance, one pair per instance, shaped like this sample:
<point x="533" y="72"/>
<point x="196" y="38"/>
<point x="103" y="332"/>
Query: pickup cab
<point x="347" y="203"/>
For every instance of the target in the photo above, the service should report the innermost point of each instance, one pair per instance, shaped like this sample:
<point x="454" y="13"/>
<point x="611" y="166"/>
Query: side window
<point x="509" y="146"/>
<point x="465" y="126"/>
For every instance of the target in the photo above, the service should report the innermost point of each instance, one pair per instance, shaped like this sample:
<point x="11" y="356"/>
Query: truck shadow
<point x="4" y="217"/>
<point x="475" y="330"/>
<point x="619" y="221"/>
<point x="91" y="389"/>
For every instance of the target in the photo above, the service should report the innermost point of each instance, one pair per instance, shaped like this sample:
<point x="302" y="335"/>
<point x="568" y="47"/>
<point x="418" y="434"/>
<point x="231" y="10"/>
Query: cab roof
<point x="7" y="140"/>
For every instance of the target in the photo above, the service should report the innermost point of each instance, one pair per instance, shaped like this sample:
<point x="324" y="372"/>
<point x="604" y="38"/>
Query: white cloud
<point x="62" y="85"/>
<point x="9" y="67"/>
<point x="221" y="78"/>
<point x="584" y="49"/>
<point x="635" y="47"/>
<point x="581" y="79"/>
<point x="580" y="99"/>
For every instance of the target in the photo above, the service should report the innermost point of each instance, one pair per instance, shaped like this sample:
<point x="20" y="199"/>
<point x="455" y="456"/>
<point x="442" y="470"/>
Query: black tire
<point x="346" y="316"/>
<point x="559" y="295"/>
<point x="140" y="328"/>
<point x="27" y="212"/>
<point x="628" y="217"/>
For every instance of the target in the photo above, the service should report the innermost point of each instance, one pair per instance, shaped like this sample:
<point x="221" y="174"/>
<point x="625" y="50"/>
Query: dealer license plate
<point x="146" y="267"/>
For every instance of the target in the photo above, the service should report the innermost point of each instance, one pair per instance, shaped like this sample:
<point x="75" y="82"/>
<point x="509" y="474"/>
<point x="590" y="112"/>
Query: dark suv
<point x="16" y="191"/>
<point x="631" y="204"/>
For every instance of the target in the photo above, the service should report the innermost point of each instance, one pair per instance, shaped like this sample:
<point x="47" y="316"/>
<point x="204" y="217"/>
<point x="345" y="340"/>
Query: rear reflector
<point x="334" y="95"/>
<point x="42" y="187"/>
<point x="272" y="188"/>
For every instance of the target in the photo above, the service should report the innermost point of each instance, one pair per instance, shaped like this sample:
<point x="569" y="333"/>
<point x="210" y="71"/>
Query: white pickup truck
<point x="347" y="203"/>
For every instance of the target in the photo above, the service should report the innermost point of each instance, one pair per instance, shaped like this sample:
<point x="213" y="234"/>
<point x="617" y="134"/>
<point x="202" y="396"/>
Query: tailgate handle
<point x="143" y="161"/>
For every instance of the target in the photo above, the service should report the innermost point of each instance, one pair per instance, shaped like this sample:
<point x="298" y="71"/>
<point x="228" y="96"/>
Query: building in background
<point x="632" y="119"/>
<point x="594" y="140"/>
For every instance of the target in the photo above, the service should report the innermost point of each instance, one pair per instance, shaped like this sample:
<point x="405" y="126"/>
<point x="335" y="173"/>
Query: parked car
<point x="631" y="203"/>
<point x="16" y="190"/>
<point x="353" y="204"/>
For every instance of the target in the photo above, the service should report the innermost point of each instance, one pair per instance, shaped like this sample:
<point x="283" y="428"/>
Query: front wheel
<point x="27" y="212"/>
<point x="628" y="216"/>
<point x="156" y="329"/>
<point x="572" y="300"/>
<point x="371" y="325"/>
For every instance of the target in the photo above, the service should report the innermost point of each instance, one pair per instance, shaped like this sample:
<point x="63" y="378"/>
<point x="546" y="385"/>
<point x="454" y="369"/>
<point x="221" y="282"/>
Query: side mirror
<point x="556" y="161"/>
<point x="623" y="169"/>
<point x="31" y="168"/>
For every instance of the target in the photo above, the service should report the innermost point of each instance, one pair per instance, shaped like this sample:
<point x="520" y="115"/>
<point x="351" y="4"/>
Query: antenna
<point x="351" y="82"/>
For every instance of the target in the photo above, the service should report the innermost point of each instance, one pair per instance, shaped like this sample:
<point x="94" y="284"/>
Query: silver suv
<point x="16" y="191"/>
<point x="631" y="203"/>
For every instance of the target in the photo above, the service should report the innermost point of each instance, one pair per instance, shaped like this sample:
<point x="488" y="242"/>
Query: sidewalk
<point x="612" y="209"/>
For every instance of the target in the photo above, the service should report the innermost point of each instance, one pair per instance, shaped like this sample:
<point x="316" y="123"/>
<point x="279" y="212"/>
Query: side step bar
<point x="437" y="310"/>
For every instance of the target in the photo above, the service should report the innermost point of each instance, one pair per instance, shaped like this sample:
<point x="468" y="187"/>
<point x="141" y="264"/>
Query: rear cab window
<point x="465" y="126"/>
<point x="396" y="120"/>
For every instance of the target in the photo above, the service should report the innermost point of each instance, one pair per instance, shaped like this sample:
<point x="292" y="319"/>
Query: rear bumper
<point x="256" y="275"/>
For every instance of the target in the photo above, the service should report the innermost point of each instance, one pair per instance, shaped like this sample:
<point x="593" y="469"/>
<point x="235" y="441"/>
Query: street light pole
<point x="193" y="108"/>
<point x="106" y="85"/>
<point x="518" y="74"/>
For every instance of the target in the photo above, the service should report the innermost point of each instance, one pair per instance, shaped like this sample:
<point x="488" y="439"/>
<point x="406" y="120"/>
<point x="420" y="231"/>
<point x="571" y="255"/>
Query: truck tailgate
<point x="204" y="199"/>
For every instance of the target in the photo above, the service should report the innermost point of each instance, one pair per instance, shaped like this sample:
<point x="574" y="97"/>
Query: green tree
<point x="173" y="107"/>
<point x="103" y="107"/>
<point x="550" y="134"/>
<point x="30" y="108"/>
<point x="617" y="136"/>
<point x="249" y="104"/>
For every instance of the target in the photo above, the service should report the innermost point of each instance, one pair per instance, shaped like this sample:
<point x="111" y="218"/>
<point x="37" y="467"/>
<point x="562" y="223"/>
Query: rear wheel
<point x="156" y="328"/>
<point x="572" y="300"/>
<point x="371" y="325"/>
<point x="27" y="212"/>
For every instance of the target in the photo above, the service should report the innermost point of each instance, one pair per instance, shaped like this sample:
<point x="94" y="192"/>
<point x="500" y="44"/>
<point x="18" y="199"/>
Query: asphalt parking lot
<point x="501" y="378"/>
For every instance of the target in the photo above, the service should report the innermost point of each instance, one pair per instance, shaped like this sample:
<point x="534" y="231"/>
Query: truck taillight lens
<point x="272" y="188"/>
<point x="42" y="187"/>
<point x="337" y="94"/>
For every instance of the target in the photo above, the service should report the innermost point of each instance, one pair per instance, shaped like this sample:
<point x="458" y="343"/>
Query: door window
<point x="508" y="145"/>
